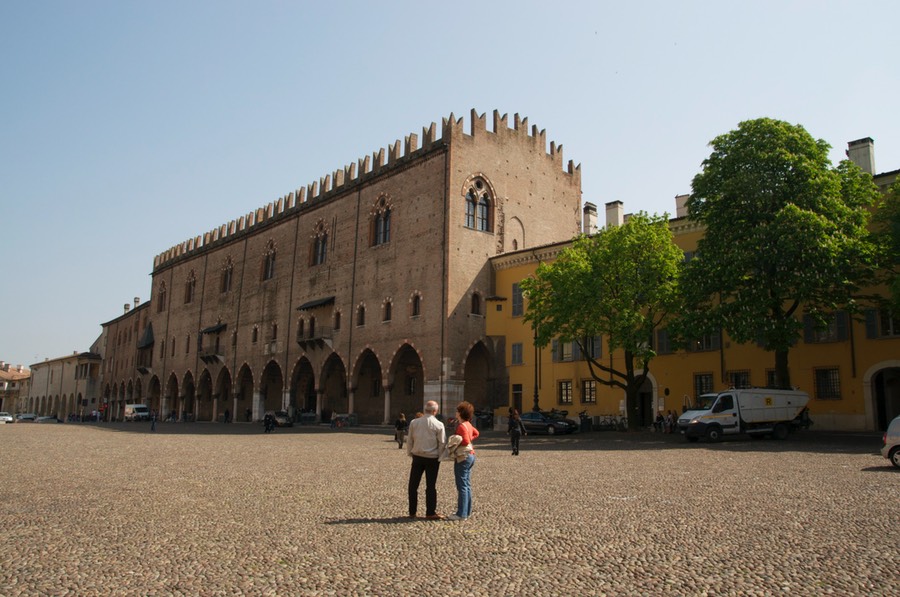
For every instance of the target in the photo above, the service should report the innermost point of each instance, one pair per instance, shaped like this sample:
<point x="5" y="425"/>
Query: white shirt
<point x="427" y="437"/>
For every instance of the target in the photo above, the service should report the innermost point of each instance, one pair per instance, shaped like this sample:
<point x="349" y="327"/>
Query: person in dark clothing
<point x="400" y="430"/>
<point x="516" y="431"/>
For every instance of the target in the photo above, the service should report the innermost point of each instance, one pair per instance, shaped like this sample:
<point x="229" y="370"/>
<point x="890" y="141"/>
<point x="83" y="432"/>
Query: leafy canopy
<point x="619" y="283"/>
<point x="887" y="235"/>
<point x="783" y="229"/>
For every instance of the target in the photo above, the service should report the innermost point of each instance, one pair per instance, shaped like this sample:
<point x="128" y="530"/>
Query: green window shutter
<point x="843" y="326"/>
<point x="809" y="329"/>
<point x="871" y="323"/>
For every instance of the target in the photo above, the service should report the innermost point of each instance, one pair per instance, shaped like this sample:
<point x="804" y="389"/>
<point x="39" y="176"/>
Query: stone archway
<point x="138" y="399"/>
<point x="368" y="397"/>
<point x="155" y="394"/>
<point x="408" y="383"/>
<point x="243" y="395"/>
<point x="271" y="388"/>
<point x="223" y="394"/>
<point x="478" y="389"/>
<point x="206" y="410"/>
<point x="303" y="388"/>
<point x="171" y="402"/>
<point x="333" y="387"/>
<point x="188" y="394"/>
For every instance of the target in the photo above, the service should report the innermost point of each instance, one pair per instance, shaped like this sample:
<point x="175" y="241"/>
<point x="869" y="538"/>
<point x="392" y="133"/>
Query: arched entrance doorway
<point x="368" y="398"/>
<point x="645" y="412"/>
<point x="138" y="399"/>
<point x="243" y="398"/>
<point x="154" y="393"/>
<point x="205" y="405"/>
<point x="407" y="389"/>
<point x="333" y="387"/>
<point x="303" y="388"/>
<point x="223" y="393"/>
<point x="189" y="394"/>
<point x="172" y="402"/>
<point x="271" y="388"/>
<point x="478" y="388"/>
<point x="886" y="396"/>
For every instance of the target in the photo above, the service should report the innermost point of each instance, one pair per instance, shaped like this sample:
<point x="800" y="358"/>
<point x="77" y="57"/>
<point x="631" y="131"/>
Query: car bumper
<point x="693" y="429"/>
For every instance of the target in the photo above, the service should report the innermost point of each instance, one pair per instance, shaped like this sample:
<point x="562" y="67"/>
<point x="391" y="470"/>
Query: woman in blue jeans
<point x="462" y="469"/>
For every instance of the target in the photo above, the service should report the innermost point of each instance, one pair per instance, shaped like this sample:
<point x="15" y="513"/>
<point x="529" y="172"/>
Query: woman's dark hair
<point x="515" y="414"/>
<point x="465" y="410"/>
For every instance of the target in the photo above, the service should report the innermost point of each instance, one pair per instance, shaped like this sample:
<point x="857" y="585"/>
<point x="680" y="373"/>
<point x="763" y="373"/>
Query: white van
<point x="755" y="411"/>
<point x="137" y="412"/>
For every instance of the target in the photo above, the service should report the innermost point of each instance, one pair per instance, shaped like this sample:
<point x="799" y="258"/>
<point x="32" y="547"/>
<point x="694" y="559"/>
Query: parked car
<point x="283" y="419"/>
<point x="47" y="419"/>
<point x="891" y="448"/>
<point x="5" y="417"/>
<point x="541" y="422"/>
<point x="25" y="417"/>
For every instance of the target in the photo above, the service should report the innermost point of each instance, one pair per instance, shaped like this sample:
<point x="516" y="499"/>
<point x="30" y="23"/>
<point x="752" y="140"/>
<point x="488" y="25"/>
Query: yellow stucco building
<point x="851" y="371"/>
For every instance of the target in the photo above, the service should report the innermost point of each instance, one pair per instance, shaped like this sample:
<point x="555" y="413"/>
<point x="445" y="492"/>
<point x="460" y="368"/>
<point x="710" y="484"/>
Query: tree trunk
<point x="633" y="405"/>
<point x="782" y="375"/>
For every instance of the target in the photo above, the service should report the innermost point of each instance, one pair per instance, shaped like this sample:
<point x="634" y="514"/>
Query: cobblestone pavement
<point x="210" y="509"/>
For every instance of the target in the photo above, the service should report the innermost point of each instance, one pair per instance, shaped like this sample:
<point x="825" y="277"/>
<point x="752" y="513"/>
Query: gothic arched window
<point x="479" y="207"/>
<point x="381" y="222"/>
<point x="269" y="261"/>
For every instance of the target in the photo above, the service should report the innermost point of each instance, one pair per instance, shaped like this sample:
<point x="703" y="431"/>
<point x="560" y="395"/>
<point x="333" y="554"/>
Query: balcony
<point x="318" y="337"/>
<point x="211" y="356"/>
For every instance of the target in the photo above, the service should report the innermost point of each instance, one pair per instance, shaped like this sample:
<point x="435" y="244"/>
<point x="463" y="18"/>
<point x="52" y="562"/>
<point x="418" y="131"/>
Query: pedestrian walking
<point x="516" y="430"/>
<point x="400" y="430"/>
<point x="462" y="468"/>
<point x="426" y="441"/>
<point x="153" y="421"/>
<point x="227" y="418"/>
<point x="248" y="413"/>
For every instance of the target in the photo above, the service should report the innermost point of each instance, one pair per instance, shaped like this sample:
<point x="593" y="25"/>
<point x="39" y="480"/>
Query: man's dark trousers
<point x="430" y="467"/>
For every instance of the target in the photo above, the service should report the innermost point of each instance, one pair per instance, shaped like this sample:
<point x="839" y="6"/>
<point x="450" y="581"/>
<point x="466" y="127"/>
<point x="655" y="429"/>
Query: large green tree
<point x="619" y="284"/>
<point x="887" y="235"/>
<point x="785" y="232"/>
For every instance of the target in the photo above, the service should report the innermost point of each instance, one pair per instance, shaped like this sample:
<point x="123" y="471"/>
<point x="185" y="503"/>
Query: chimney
<point x="20" y="368"/>
<point x="681" y="209"/>
<point x="589" y="221"/>
<point x="3" y="366"/>
<point x="615" y="213"/>
<point x="127" y="307"/>
<point x="862" y="153"/>
<point x="137" y="301"/>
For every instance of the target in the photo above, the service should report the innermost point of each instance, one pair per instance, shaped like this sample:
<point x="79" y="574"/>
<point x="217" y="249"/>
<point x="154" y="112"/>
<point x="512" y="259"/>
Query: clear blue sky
<point x="129" y="127"/>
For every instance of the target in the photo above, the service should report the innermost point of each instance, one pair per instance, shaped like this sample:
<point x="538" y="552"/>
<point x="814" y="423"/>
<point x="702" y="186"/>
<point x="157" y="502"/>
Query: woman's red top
<point x="468" y="433"/>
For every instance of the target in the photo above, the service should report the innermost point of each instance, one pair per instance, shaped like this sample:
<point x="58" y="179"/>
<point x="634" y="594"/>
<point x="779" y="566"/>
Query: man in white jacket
<point x="425" y="443"/>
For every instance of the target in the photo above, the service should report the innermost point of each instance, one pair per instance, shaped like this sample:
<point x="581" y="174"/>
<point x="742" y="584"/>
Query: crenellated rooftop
<point x="374" y="165"/>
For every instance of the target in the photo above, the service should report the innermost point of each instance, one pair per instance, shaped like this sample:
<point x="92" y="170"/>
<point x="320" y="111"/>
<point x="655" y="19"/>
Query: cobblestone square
<point x="210" y="509"/>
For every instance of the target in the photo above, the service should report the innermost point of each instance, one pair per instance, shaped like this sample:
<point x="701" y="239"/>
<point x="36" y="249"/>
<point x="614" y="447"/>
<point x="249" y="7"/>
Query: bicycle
<point x="606" y="423"/>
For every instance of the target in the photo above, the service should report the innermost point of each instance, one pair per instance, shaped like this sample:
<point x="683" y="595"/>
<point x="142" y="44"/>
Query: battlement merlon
<point x="372" y="165"/>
